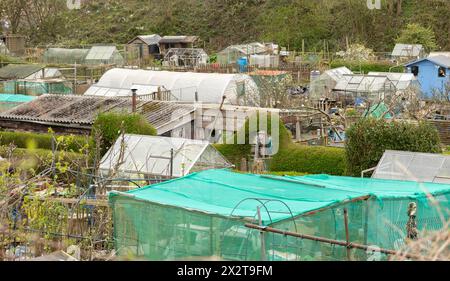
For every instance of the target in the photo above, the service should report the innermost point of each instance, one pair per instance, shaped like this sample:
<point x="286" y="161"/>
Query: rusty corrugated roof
<point x="83" y="110"/>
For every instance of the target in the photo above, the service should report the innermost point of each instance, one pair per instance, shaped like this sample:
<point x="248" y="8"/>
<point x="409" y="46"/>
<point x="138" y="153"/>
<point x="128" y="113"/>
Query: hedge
<point x="109" y="125"/>
<point x="310" y="160"/>
<point x="38" y="159"/>
<point x="44" y="141"/>
<point x="235" y="152"/>
<point x="367" y="67"/>
<point x="368" y="139"/>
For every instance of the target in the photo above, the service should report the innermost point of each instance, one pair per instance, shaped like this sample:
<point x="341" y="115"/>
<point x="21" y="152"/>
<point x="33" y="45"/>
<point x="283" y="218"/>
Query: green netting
<point x="15" y="98"/>
<point x="8" y="101"/>
<point x="204" y="215"/>
<point x="34" y="88"/>
<point x="378" y="111"/>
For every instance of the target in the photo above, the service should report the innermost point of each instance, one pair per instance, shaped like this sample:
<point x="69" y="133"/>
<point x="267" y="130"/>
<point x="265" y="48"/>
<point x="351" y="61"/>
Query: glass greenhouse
<point x="147" y="157"/>
<point x="65" y="56"/>
<point x="203" y="215"/>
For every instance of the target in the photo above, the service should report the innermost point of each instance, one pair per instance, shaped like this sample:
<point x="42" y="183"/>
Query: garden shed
<point x="147" y="157"/>
<point x="205" y="214"/>
<point x="144" y="46"/>
<point x="186" y="86"/>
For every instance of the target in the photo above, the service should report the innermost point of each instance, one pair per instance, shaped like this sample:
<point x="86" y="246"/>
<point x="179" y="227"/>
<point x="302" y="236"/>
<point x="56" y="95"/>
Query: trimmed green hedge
<point x="366" y="67"/>
<point x="368" y="139"/>
<point x="44" y="141"/>
<point x="108" y="126"/>
<point x="235" y="152"/>
<point x="310" y="160"/>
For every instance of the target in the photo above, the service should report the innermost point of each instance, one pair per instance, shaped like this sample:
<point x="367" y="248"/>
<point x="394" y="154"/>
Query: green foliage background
<point x="220" y="23"/>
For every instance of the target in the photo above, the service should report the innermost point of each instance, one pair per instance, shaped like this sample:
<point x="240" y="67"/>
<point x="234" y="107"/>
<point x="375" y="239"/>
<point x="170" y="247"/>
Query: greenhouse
<point x="36" y="87"/>
<point x="98" y="55"/>
<point x="65" y="56"/>
<point x="231" y="54"/>
<point x="414" y="166"/>
<point x="147" y="157"/>
<point x="371" y="88"/>
<point x="322" y="86"/>
<point x="191" y="57"/>
<point x="184" y="86"/>
<point x="206" y="215"/>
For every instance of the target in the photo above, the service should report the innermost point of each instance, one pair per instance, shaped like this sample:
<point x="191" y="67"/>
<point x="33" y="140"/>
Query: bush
<point x="368" y="139"/>
<point x="235" y="152"/>
<point x="38" y="160"/>
<point x="44" y="141"/>
<point x="310" y="160"/>
<point x="109" y="125"/>
<point x="366" y="67"/>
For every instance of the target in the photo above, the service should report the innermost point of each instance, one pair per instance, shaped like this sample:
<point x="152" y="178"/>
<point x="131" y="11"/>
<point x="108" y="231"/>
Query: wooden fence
<point x="443" y="127"/>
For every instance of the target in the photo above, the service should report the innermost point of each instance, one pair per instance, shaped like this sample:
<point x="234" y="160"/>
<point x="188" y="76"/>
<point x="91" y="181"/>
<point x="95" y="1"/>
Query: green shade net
<point x="15" y="98"/>
<point x="204" y="215"/>
<point x="378" y="110"/>
<point x="8" y="101"/>
<point x="34" y="88"/>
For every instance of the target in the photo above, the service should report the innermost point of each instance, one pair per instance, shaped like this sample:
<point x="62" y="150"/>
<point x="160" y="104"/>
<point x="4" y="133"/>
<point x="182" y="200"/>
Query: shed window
<point x="415" y="70"/>
<point x="442" y="72"/>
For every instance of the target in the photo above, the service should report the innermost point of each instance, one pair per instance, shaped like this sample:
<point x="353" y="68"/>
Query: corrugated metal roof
<point x="18" y="71"/>
<point x="82" y="110"/>
<point x="443" y="61"/>
<point x="152" y="39"/>
<point x="178" y="39"/>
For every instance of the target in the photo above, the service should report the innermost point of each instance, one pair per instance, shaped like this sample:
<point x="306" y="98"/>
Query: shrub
<point x="368" y="139"/>
<point x="38" y="160"/>
<point x="310" y="160"/>
<point x="109" y="125"/>
<point x="44" y="141"/>
<point x="366" y="67"/>
<point x="235" y="152"/>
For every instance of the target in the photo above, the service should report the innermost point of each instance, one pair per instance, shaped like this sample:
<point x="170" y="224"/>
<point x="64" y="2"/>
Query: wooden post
<point x="298" y="130"/>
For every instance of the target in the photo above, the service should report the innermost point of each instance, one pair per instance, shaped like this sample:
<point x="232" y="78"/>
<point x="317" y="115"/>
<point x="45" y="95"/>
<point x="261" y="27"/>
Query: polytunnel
<point x="238" y="89"/>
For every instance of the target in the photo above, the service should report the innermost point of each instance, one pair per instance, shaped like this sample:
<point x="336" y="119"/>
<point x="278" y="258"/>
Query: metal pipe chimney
<point x="134" y="100"/>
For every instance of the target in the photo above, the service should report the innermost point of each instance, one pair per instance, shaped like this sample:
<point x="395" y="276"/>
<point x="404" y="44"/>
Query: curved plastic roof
<point x="211" y="87"/>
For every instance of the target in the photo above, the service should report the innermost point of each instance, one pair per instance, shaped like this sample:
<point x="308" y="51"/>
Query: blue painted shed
<point x="433" y="74"/>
